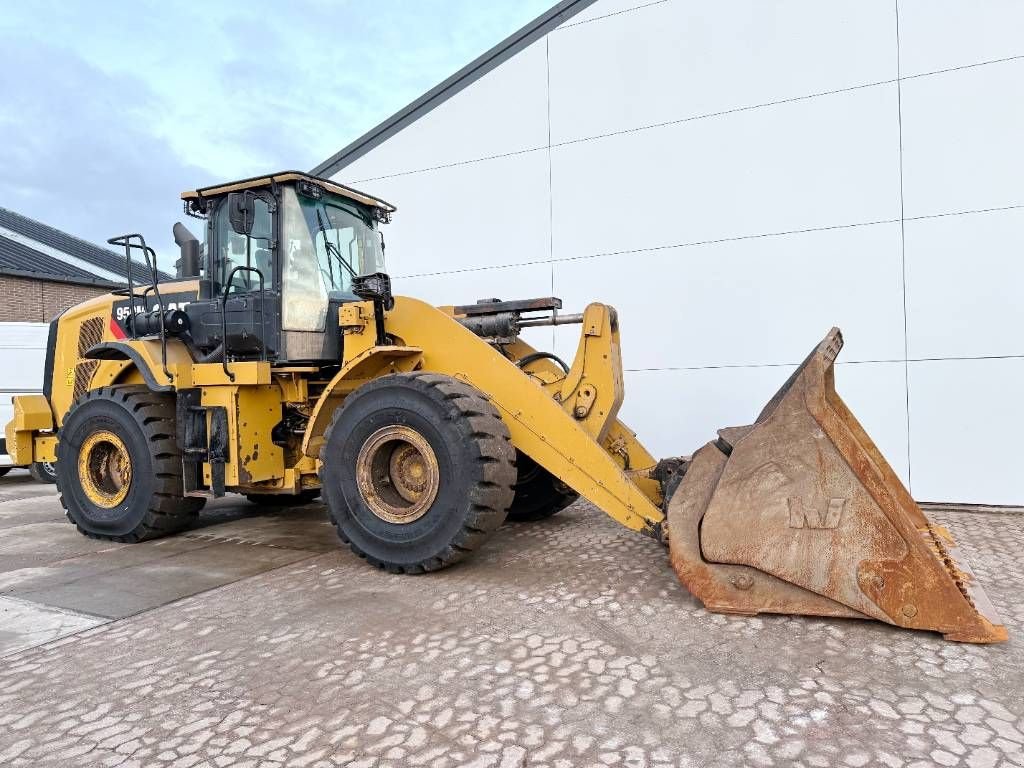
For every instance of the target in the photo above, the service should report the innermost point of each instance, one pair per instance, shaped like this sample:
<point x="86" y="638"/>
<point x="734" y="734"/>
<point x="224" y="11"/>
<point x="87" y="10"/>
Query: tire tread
<point x="491" y="494"/>
<point x="169" y="509"/>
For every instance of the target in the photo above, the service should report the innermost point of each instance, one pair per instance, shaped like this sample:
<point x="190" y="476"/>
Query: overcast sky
<point x="109" y="110"/>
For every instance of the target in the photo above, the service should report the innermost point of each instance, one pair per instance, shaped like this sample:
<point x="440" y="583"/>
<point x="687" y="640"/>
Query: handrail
<point x="147" y="252"/>
<point x="224" y="318"/>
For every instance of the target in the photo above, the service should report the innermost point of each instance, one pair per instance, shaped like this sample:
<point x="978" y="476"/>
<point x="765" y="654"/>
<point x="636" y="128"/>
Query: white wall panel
<point x="762" y="301"/>
<point x="680" y="59"/>
<point x="504" y="111"/>
<point x="484" y="214"/>
<point x="749" y="302"/>
<point x="964" y="280"/>
<point x="22" y="369"/>
<point x="823" y="162"/>
<point x="604" y="8"/>
<point x="962" y="140"/>
<point x="23" y="349"/>
<point x="966" y="419"/>
<point x="23" y="335"/>
<point x="676" y="412"/>
<point x="939" y="34"/>
<point x="876" y="393"/>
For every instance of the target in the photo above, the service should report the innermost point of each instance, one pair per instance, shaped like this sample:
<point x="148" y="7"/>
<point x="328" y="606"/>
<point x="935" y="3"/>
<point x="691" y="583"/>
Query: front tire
<point x="119" y="469"/>
<point x="417" y="471"/>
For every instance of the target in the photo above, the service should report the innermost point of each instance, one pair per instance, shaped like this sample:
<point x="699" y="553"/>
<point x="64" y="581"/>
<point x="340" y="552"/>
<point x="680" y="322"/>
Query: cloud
<point x="78" y="152"/>
<point x="106" y="118"/>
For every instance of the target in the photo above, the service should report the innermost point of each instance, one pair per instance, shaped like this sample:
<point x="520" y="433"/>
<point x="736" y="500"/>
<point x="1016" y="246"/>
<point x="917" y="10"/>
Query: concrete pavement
<point x="256" y="640"/>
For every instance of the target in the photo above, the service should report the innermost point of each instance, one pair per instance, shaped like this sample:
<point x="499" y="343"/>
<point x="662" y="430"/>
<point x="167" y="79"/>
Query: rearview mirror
<point x="242" y="211"/>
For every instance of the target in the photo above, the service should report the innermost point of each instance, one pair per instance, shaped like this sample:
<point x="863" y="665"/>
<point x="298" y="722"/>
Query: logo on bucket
<point x="800" y="517"/>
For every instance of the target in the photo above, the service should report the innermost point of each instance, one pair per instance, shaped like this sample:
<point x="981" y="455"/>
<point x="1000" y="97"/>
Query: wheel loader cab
<point x="280" y="255"/>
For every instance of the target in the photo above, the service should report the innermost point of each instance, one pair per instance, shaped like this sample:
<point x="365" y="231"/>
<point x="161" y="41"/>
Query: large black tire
<point x="5" y="470"/>
<point x="143" y="422"/>
<point x="283" y="499"/>
<point x="467" y="459"/>
<point x="539" y="494"/>
<point x="43" y="472"/>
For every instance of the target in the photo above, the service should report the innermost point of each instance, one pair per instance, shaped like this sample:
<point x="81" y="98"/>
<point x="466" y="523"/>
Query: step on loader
<point x="279" y="365"/>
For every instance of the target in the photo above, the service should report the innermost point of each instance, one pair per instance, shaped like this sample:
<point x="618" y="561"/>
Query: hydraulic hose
<point x="534" y="356"/>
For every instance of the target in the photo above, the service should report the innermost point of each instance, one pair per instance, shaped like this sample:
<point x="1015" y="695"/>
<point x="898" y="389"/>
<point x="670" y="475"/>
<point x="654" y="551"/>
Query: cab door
<point x="242" y="295"/>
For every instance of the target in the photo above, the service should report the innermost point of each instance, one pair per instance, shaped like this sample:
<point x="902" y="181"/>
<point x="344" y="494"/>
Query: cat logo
<point x="799" y="517"/>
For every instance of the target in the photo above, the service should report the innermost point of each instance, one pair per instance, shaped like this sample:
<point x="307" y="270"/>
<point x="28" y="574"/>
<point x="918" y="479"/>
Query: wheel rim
<point x="397" y="474"/>
<point x="105" y="469"/>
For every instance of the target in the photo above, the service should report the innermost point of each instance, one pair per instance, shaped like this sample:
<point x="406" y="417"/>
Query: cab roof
<point x="284" y="177"/>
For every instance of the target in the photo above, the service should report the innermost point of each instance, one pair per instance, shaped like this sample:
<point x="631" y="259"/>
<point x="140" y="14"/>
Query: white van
<point x="22" y="360"/>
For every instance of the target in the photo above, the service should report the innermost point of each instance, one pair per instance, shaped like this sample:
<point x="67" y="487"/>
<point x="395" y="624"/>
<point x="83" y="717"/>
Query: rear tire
<point x="43" y="472"/>
<point x="283" y="499"/>
<point x="417" y="471"/>
<point x="539" y="494"/>
<point x="5" y="470"/>
<point x="119" y="470"/>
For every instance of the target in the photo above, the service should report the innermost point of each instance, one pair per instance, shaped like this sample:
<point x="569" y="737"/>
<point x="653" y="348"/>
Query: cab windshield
<point x="326" y="241"/>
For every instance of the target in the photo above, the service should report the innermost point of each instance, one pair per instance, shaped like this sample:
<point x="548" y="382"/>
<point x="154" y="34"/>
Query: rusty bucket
<point x="800" y="513"/>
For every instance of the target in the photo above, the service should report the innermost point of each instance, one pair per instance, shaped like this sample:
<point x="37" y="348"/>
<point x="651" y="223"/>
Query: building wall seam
<point x="681" y="120"/>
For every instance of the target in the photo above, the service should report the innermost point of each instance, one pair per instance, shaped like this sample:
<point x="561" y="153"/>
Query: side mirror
<point x="242" y="211"/>
<point x="189" y="264"/>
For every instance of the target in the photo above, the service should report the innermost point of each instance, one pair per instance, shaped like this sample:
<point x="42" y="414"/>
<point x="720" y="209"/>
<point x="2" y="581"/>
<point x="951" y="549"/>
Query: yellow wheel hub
<point x="105" y="469"/>
<point x="397" y="474"/>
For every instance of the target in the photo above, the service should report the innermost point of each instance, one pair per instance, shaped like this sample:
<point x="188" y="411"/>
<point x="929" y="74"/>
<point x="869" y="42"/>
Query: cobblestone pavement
<point x="564" y="643"/>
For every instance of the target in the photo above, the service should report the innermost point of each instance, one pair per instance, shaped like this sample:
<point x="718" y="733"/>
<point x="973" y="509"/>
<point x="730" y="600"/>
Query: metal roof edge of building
<point x="439" y="94"/>
<point x="82" y="255"/>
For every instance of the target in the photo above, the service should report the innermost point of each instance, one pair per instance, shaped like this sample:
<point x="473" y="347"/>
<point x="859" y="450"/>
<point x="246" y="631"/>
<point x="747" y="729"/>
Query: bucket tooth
<point x="800" y="513"/>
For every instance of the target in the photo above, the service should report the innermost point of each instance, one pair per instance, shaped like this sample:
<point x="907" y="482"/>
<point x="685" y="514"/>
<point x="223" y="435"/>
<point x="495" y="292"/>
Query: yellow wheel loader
<point x="279" y="365"/>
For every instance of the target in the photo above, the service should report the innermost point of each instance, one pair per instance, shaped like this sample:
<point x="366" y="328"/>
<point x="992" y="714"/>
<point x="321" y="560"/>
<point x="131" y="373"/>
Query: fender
<point x="119" y="350"/>
<point x="364" y="367"/>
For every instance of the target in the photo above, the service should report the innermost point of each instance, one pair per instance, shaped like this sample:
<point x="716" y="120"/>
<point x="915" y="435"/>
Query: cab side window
<point x="234" y="250"/>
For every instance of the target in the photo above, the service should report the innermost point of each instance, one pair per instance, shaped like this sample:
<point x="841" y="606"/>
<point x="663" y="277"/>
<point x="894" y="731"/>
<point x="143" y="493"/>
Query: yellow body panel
<point x="252" y="413"/>
<point x="44" y="448"/>
<point x="31" y="415"/>
<point x="89" y="323"/>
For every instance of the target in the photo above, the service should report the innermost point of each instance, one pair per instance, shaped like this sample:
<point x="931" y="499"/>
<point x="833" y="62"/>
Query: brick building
<point x="43" y="271"/>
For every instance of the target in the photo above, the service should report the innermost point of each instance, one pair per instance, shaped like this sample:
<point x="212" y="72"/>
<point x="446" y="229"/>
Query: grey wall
<point x="737" y="177"/>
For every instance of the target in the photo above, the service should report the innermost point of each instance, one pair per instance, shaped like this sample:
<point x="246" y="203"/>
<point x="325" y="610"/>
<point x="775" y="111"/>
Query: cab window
<point x="233" y="250"/>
